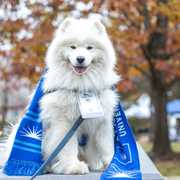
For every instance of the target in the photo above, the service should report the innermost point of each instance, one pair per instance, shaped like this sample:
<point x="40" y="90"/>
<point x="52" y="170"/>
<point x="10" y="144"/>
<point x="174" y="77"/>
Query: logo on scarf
<point x="33" y="132"/>
<point x="117" y="172"/>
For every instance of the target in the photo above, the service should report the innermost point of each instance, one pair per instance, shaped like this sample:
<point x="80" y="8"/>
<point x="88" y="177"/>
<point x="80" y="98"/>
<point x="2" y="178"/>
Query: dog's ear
<point x="65" y="24"/>
<point x="99" y="26"/>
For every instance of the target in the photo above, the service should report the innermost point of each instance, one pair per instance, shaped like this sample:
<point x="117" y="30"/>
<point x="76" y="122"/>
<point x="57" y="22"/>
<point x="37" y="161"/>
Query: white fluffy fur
<point x="60" y="108"/>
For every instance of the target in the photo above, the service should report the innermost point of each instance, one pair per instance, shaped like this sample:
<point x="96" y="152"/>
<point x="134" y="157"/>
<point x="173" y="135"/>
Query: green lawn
<point x="175" y="147"/>
<point x="168" y="167"/>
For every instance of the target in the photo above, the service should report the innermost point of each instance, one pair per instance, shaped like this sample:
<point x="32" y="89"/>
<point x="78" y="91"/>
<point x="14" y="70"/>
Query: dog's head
<point x="82" y="47"/>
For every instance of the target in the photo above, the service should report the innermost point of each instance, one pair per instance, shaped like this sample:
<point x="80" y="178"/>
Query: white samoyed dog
<point x="80" y="58"/>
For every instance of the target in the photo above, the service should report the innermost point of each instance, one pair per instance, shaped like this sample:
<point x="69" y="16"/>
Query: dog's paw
<point x="78" y="167"/>
<point x="106" y="161"/>
<point x="96" y="165"/>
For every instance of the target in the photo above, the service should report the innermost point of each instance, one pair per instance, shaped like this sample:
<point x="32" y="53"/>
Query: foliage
<point x="30" y="33"/>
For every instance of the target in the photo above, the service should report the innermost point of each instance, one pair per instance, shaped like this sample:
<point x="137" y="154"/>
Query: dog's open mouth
<point x="80" y="69"/>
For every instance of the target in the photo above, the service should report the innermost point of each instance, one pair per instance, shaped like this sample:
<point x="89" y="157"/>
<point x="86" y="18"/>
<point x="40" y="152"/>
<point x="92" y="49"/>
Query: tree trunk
<point x="4" y="108"/>
<point x="161" y="142"/>
<point x="153" y="52"/>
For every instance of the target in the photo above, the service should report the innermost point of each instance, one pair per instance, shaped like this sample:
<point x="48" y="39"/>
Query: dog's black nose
<point x="80" y="59"/>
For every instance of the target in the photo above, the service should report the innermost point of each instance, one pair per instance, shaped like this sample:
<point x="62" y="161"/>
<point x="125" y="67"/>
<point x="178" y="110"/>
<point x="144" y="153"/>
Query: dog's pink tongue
<point x="79" y="69"/>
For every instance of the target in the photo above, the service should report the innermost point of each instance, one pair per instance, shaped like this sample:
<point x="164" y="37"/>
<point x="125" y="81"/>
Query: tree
<point x="155" y="56"/>
<point x="145" y="35"/>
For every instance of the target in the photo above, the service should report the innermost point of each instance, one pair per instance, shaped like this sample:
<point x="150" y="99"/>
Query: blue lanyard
<point x="60" y="146"/>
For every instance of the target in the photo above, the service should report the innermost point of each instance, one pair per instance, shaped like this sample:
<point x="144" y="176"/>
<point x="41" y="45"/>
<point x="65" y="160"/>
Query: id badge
<point x="90" y="105"/>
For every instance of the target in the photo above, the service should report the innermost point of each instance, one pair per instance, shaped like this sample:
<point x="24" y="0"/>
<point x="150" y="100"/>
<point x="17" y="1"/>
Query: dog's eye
<point x="89" y="47"/>
<point x="73" y="47"/>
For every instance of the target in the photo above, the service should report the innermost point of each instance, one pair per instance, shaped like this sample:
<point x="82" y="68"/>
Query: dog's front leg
<point x="67" y="161"/>
<point x="105" y="142"/>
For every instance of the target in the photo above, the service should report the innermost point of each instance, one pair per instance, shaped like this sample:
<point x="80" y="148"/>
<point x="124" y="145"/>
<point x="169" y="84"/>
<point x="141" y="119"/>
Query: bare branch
<point x="165" y="55"/>
<point x="173" y="82"/>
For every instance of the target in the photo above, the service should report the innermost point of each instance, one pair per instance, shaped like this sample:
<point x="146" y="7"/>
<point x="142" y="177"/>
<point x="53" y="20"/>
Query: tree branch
<point x="147" y="56"/>
<point x="165" y="55"/>
<point x="171" y="83"/>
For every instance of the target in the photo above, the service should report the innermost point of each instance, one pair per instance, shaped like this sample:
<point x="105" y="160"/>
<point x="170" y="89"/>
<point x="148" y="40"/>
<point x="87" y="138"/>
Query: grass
<point x="167" y="167"/>
<point x="175" y="147"/>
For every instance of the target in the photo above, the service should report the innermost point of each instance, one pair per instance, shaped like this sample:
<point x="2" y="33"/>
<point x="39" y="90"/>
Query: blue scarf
<point x="125" y="163"/>
<point x="26" y="158"/>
